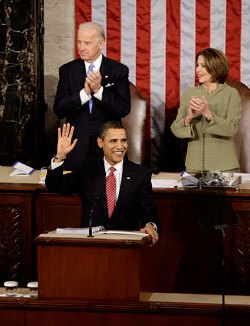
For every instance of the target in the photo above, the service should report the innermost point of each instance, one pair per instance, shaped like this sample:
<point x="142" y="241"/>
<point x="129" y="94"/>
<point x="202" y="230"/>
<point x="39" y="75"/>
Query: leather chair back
<point x="242" y="137"/>
<point x="135" y="124"/>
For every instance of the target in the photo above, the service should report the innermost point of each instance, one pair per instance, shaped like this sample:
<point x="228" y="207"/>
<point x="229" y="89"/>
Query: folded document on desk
<point x="124" y="232"/>
<point x="164" y="183"/>
<point x="84" y="231"/>
<point x="98" y="230"/>
<point x="21" y="169"/>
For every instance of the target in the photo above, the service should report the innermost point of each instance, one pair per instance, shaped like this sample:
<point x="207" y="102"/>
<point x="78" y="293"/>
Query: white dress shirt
<point x="85" y="97"/>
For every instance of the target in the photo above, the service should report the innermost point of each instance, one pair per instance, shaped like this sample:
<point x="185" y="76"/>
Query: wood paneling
<point x="16" y="237"/>
<point x="28" y="312"/>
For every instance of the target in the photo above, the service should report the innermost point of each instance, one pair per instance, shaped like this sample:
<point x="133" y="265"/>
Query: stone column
<point x="21" y="82"/>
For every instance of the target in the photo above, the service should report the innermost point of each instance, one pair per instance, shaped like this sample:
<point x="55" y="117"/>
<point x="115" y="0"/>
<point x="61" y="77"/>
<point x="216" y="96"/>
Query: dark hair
<point x="216" y="64"/>
<point x="109" y="125"/>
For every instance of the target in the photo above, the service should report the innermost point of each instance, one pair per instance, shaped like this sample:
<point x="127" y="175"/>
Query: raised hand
<point x="64" y="143"/>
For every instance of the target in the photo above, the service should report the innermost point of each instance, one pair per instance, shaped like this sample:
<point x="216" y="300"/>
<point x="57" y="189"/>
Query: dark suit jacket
<point x="135" y="205"/>
<point x="115" y="104"/>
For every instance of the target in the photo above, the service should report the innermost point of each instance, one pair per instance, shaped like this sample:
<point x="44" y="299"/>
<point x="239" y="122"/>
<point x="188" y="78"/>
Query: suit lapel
<point x="101" y="185"/>
<point x="80" y="72"/>
<point x="104" y="70"/>
<point x="96" y="185"/>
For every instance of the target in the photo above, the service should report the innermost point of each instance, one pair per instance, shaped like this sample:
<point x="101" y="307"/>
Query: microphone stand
<point x="95" y="199"/>
<point x="222" y="228"/>
<point x="223" y="217"/>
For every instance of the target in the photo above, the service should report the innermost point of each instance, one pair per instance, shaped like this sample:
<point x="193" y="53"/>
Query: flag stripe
<point x="245" y="43"/>
<point x="143" y="32"/>
<point x="158" y="41"/>
<point x="99" y="15"/>
<point x="202" y="25"/>
<point x="143" y="46"/>
<point x="173" y="51"/>
<point x="218" y="24"/>
<point x="187" y="50"/>
<point x="233" y="37"/>
<point x="128" y="37"/>
<point x="113" y="29"/>
<point x="158" y="76"/>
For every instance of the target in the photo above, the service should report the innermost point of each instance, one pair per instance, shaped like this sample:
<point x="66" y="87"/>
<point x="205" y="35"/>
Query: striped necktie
<point x="91" y="68"/>
<point x="111" y="191"/>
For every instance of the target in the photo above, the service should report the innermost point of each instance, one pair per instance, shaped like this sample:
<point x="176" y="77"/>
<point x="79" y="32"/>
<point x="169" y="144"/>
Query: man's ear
<point x="99" y="142"/>
<point x="101" y="44"/>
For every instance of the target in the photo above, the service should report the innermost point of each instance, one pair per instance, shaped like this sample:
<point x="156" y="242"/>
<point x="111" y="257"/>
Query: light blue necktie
<point x="91" y="67"/>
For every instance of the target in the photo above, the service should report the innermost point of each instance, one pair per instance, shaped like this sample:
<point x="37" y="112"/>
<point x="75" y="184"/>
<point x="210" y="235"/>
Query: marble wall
<point x="36" y="38"/>
<point x="59" y="38"/>
<point x="21" y="87"/>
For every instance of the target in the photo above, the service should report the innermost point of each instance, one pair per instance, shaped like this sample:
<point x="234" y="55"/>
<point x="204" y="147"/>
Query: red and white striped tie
<point x="111" y="191"/>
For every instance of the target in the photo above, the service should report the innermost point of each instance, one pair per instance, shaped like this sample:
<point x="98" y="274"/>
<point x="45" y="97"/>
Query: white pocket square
<point x="108" y="85"/>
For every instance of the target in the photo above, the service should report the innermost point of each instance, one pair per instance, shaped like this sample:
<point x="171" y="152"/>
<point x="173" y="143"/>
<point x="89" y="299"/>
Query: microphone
<point x="155" y="170"/>
<point x="221" y="227"/>
<point x="95" y="200"/>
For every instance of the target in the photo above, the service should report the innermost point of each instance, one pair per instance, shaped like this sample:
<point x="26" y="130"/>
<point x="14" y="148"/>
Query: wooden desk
<point x="188" y="256"/>
<point x="102" y="267"/>
<point x="186" y="259"/>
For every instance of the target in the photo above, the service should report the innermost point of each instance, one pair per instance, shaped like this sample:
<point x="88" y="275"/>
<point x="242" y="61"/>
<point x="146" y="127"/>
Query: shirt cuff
<point x="84" y="97"/>
<point x="154" y="225"/>
<point x="98" y="94"/>
<point x="55" y="165"/>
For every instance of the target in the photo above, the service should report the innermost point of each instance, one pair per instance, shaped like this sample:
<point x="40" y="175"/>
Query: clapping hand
<point x="93" y="81"/>
<point x="198" y="106"/>
<point x="64" y="143"/>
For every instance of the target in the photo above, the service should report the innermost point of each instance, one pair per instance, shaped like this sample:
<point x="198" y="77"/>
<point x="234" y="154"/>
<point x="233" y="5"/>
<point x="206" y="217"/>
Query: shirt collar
<point x="117" y="166"/>
<point x="96" y="63"/>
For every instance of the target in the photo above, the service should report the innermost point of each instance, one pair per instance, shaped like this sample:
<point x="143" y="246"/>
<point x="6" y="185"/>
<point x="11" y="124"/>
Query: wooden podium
<point x="106" y="266"/>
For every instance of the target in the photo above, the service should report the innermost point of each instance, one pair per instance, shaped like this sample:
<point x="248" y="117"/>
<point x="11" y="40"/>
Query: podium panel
<point x="98" y="268"/>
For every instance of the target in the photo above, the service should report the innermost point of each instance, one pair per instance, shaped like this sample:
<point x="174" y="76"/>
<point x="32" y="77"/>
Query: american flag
<point x="158" y="40"/>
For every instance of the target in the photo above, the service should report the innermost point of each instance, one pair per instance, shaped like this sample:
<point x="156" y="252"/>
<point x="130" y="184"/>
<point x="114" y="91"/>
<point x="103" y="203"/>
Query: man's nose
<point x="119" y="144"/>
<point x="81" y="45"/>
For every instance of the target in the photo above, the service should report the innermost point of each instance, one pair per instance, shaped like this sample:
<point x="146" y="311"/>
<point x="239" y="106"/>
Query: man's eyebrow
<point x="116" y="139"/>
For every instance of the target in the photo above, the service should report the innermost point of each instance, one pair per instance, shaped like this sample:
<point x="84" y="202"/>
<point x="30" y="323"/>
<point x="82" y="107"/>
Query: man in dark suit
<point x="91" y="90"/>
<point x="134" y="204"/>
